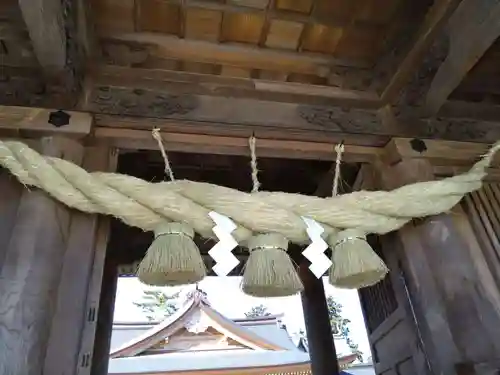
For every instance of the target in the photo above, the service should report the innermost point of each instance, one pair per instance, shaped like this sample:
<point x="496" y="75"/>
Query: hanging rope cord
<point x="145" y="205"/>
<point x="339" y="150"/>
<point x="253" y="164"/>
<point x="168" y="168"/>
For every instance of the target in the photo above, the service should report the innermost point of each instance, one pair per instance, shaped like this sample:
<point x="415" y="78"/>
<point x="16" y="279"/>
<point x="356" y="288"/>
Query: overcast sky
<point x="226" y="297"/>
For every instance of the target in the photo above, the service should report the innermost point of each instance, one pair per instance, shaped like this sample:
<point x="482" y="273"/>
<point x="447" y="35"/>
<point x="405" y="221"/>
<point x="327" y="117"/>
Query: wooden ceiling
<point x="362" y="71"/>
<point x="281" y="40"/>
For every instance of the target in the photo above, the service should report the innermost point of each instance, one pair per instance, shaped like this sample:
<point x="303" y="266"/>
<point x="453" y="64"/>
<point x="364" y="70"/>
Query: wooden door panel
<point x="391" y="327"/>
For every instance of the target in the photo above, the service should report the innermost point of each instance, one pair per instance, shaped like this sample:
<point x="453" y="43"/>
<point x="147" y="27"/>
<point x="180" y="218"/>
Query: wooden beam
<point x="130" y="139"/>
<point x="473" y="29"/>
<point x="442" y="153"/>
<point x="409" y="121"/>
<point x="482" y="111"/>
<point x="442" y="171"/>
<point x="433" y="24"/>
<point x="149" y="99"/>
<point x="204" y="84"/>
<point x="37" y="122"/>
<point x="439" y="153"/>
<point x="45" y="22"/>
<point x="286" y="129"/>
<point x="171" y="47"/>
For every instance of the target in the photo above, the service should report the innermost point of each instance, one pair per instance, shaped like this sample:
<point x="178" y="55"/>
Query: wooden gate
<point x="391" y="326"/>
<point x="438" y="311"/>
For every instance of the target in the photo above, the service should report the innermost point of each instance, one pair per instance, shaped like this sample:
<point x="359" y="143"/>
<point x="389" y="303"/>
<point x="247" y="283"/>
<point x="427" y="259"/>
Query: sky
<point x="225" y="295"/>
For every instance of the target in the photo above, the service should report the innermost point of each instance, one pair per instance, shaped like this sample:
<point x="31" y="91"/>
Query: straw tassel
<point x="355" y="264"/>
<point x="269" y="271"/>
<point x="173" y="258"/>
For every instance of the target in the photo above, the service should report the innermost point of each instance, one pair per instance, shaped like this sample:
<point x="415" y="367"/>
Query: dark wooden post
<point x="318" y="329"/>
<point x="104" y="327"/>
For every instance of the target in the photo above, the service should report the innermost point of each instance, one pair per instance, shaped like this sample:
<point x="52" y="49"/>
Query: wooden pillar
<point x="454" y="295"/>
<point x="104" y="327"/>
<point x="47" y="250"/>
<point x="318" y="329"/>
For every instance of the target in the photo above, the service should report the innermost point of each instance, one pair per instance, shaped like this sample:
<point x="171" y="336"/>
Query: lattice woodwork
<point x="379" y="300"/>
<point x="483" y="209"/>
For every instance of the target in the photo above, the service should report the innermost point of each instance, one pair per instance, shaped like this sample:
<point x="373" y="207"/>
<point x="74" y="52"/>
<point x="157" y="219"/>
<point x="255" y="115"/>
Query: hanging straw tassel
<point x="269" y="271"/>
<point x="173" y="258"/>
<point x="355" y="264"/>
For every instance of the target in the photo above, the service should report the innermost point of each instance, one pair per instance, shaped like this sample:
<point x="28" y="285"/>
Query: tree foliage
<point x="158" y="305"/>
<point x="257" y="311"/>
<point x="340" y="325"/>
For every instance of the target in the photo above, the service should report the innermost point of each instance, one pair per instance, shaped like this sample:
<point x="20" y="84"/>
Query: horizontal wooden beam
<point x="473" y="28"/>
<point x="25" y="121"/>
<point x="282" y="141"/>
<point x="130" y="139"/>
<point x="442" y="171"/>
<point x="205" y="84"/>
<point x="171" y="47"/>
<point x="458" y="128"/>
<point x="147" y="99"/>
<point x="288" y="130"/>
<point x="45" y="22"/>
<point x="439" y="152"/>
<point x="482" y="111"/>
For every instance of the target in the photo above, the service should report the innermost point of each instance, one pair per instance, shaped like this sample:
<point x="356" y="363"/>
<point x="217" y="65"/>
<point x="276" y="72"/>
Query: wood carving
<point x="118" y="101"/>
<point x="460" y="130"/>
<point x="345" y="120"/>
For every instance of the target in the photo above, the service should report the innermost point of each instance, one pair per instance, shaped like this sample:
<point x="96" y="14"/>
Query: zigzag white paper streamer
<point x="315" y="252"/>
<point x="221" y="252"/>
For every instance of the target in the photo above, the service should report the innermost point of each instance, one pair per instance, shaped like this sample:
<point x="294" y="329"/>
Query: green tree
<point x="157" y="304"/>
<point x="340" y="325"/>
<point x="257" y="311"/>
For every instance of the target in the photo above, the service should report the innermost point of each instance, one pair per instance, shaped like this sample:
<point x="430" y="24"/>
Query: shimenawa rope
<point x="147" y="205"/>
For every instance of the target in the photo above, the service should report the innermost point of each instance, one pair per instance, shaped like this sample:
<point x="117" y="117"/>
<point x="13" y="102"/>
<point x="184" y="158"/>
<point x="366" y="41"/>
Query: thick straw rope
<point x="145" y="205"/>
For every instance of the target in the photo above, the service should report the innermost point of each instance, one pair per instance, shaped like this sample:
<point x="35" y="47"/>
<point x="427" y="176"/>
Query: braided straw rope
<point x="145" y="205"/>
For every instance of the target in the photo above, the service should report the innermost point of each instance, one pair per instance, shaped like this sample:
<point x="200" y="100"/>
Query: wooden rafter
<point x="433" y="24"/>
<point x="473" y="29"/>
<point x="192" y="83"/>
<point x="45" y="22"/>
<point x="171" y="47"/>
